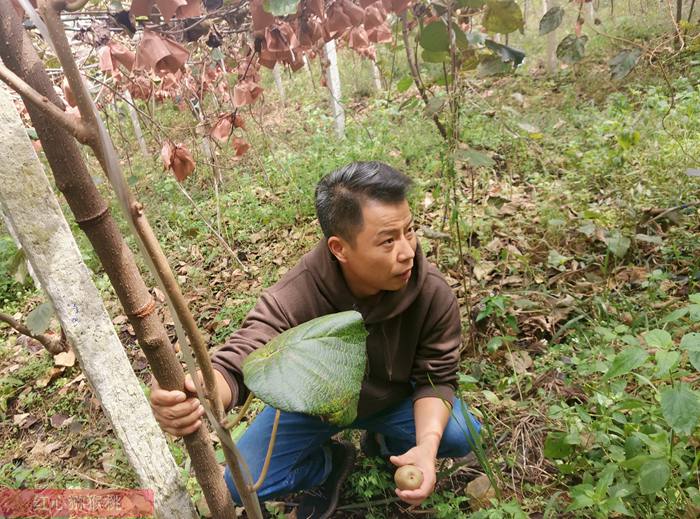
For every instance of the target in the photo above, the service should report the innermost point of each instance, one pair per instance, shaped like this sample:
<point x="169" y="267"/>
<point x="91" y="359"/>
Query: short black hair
<point x="340" y="195"/>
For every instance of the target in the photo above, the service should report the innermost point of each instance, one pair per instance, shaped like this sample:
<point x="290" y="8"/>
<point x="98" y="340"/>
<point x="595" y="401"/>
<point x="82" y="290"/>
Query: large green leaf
<point x="435" y="38"/>
<point x="626" y="361"/>
<point x="653" y="476"/>
<point x="551" y="20"/>
<point x="315" y="368"/>
<point x="657" y="338"/>
<point x="680" y="406"/>
<point x="503" y="16"/>
<point x="572" y="49"/>
<point x="691" y="343"/>
<point x="38" y="320"/>
<point x="281" y="7"/>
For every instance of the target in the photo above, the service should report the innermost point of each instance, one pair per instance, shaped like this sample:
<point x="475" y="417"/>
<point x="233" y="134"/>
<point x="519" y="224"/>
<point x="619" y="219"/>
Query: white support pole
<point x="333" y="79"/>
<point x="277" y="75"/>
<point x="377" y="75"/>
<point x="135" y="123"/>
<point x="32" y="209"/>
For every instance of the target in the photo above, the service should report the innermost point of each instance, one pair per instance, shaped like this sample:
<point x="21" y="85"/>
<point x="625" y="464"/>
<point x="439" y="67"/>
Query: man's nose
<point x="406" y="252"/>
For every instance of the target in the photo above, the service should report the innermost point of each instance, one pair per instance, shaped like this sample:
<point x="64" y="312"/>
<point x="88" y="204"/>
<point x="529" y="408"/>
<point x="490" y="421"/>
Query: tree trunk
<point x="333" y="79"/>
<point x="92" y="214"/>
<point x="33" y="211"/>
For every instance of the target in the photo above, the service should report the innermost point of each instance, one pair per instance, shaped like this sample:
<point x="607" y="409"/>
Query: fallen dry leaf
<point x="480" y="492"/>
<point x="65" y="359"/>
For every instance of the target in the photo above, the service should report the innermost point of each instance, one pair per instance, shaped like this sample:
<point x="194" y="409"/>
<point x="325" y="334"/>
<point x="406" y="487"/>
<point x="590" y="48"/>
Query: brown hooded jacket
<point x="414" y="333"/>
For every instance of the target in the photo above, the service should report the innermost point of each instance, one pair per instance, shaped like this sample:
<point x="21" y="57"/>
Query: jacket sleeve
<point x="437" y="357"/>
<point x="265" y="321"/>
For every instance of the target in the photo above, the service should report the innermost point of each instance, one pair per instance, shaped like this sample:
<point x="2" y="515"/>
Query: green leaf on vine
<point x="315" y="368"/>
<point x="430" y="56"/>
<point x="493" y="66"/>
<point x="38" y="320"/>
<point x="680" y="406"/>
<point x="503" y="16"/>
<point x="506" y="53"/>
<point x="551" y="20"/>
<point x="281" y="7"/>
<point x="404" y="83"/>
<point x="434" y="37"/>
<point x="572" y="49"/>
<point x="623" y="63"/>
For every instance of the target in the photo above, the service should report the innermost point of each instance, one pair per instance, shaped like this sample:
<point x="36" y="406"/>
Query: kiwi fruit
<point x="408" y="477"/>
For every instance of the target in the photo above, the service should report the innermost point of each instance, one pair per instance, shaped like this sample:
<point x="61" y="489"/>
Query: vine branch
<point x="54" y="344"/>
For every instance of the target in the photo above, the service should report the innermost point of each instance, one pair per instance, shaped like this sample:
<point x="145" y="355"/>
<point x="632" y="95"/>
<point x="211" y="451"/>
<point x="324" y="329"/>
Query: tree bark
<point x="33" y="210"/>
<point x="92" y="214"/>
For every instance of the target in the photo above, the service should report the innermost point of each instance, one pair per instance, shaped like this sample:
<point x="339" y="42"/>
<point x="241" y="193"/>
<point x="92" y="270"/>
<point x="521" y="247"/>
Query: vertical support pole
<point x="277" y="75"/>
<point x="333" y="79"/>
<point x="135" y="123"/>
<point x="377" y="75"/>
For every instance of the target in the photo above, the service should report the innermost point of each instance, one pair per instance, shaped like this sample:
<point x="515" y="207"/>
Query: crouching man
<point x="369" y="261"/>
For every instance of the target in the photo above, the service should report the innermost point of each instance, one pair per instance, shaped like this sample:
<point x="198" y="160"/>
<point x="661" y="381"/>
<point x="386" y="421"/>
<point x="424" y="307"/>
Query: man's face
<point x="381" y="256"/>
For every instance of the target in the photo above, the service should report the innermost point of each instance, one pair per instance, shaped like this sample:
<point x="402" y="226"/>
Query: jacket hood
<point x="328" y="276"/>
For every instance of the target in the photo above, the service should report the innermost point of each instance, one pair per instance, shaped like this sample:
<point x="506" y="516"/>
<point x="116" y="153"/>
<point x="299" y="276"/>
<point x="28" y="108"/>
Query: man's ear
<point x="338" y="248"/>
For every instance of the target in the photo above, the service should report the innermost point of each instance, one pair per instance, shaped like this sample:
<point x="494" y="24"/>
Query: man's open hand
<point x="423" y="458"/>
<point x="175" y="412"/>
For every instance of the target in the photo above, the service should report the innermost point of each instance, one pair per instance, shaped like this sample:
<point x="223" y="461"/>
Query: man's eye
<point x="388" y="242"/>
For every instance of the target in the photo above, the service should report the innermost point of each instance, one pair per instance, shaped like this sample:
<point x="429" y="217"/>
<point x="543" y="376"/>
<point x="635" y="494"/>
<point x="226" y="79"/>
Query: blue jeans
<point x="301" y="461"/>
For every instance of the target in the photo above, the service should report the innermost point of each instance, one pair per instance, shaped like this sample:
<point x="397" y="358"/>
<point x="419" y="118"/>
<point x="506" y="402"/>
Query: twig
<point x="69" y="122"/>
<point x="53" y="344"/>
<point x="672" y="209"/>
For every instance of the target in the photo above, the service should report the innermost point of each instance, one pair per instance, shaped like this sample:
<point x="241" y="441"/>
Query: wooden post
<point x="333" y="79"/>
<point x="33" y="211"/>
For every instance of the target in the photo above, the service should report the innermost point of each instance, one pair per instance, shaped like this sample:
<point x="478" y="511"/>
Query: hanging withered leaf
<point x="246" y="93"/>
<point x="315" y="368"/>
<point x="161" y="54"/>
<point x="375" y="15"/>
<point x="240" y="145"/>
<point x="381" y="34"/>
<point x="177" y="158"/>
